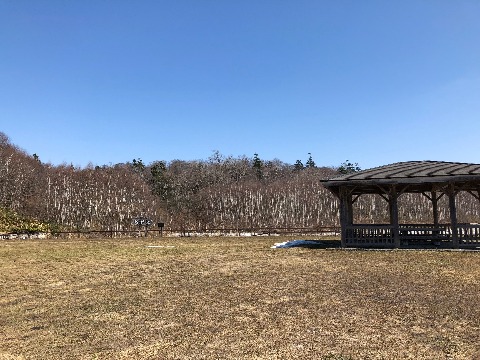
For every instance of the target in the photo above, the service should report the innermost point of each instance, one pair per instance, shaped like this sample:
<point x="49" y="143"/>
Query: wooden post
<point x="349" y="208"/>
<point x="435" y="209"/>
<point x="393" y="202"/>
<point x="436" y="231"/>
<point x="453" y="215"/>
<point x="343" y="214"/>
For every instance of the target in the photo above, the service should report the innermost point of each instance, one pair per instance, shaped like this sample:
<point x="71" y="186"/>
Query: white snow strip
<point x="294" y="243"/>
<point x="160" y="246"/>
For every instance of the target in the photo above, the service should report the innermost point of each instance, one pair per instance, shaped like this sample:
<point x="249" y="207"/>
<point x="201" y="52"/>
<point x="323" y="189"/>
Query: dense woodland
<point x="221" y="192"/>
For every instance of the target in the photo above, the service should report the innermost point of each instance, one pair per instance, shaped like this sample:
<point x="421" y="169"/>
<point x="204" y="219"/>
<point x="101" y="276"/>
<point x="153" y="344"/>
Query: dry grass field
<point x="234" y="298"/>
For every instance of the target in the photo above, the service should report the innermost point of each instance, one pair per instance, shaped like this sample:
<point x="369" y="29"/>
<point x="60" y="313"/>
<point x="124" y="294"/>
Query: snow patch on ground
<point x="296" y="243"/>
<point x="23" y="236"/>
<point x="219" y="234"/>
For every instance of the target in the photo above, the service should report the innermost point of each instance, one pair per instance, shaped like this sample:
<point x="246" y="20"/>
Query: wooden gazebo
<point x="433" y="179"/>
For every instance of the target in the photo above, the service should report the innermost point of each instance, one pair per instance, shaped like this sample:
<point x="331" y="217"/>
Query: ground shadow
<point x="336" y="244"/>
<point x="310" y="244"/>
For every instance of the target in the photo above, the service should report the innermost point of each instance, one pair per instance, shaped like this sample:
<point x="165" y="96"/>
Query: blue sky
<point x="374" y="82"/>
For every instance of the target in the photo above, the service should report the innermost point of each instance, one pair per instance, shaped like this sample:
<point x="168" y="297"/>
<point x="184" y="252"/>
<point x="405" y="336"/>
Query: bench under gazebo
<point x="433" y="179"/>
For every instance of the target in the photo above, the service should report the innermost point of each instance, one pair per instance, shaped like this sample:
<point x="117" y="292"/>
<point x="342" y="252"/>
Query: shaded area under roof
<point x="419" y="176"/>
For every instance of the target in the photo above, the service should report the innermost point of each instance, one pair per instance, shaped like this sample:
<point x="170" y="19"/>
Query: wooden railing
<point x="369" y="235"/>
<point x="469" y="235"/>
<point x="412" y="234"/>
<point x="421" y="233"/>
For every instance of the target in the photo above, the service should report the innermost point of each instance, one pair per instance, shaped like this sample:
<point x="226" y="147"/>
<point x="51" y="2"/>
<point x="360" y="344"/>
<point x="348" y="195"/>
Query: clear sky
<point x="374" y="82"/>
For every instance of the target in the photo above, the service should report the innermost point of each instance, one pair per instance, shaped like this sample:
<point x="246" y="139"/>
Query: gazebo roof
<point x="418" y="175"/>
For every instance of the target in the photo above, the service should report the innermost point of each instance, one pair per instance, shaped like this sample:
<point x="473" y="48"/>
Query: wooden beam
<point x="355" y="199"/>
<point x="403" y="190"/>
<point x="384" y="197"/>
<point x="384" y="190"/>
<point x="440" y="190"/>
<point x="427" y="196"/>
<point x="352" y="189"/>
<point x="476" y="196"/>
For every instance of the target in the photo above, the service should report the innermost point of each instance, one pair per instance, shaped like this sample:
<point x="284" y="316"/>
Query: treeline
<point x="221" y="192"/>
<point x="71" y="198"/>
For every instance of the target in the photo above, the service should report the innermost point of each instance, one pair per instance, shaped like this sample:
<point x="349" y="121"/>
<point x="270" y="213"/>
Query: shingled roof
<point x="414" y="173"/>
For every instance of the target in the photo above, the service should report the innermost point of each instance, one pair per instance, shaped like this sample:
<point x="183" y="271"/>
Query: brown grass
<point x="234" y="298"/>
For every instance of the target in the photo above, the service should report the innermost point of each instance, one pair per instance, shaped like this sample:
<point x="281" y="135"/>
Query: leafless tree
<point x="220" y="192"/>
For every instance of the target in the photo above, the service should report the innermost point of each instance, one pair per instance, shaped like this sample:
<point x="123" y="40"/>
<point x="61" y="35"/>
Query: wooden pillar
<point x="453" y="215"/>
<point x="349" y="209"/>
<point x="393" y="205"/>
<point x="343" y="214"/>
<point x="435" y="209"/>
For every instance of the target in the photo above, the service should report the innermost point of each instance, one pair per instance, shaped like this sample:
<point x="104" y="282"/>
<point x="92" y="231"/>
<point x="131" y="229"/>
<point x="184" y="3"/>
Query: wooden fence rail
<point x="324" y="230"/>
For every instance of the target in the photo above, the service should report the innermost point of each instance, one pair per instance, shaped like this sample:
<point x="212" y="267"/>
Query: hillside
<point x="221" y="192"/>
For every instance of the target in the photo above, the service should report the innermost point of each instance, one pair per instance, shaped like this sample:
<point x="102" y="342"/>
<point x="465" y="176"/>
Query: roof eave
<point x="403" y="181"/>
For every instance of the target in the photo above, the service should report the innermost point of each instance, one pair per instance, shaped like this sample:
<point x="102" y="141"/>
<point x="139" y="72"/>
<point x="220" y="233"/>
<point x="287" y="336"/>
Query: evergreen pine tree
<point x="138" y="166"/>
<point x="298" y="165"/>
<point x="310" y="163"/>
<point x="257" y="166"/>
<point x="348" y="168"/>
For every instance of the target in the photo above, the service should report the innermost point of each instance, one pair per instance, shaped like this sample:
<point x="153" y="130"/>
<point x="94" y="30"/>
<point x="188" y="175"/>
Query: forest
<point x="221" y="192"/>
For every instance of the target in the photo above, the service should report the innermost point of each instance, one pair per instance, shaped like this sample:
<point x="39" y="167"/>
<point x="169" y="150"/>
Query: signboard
<point x="142" y="221"/>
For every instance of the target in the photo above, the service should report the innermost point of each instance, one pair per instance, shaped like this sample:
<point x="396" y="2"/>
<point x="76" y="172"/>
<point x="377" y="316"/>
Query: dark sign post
<point x="141" y="222"/>
<point x="160" y="226"/>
